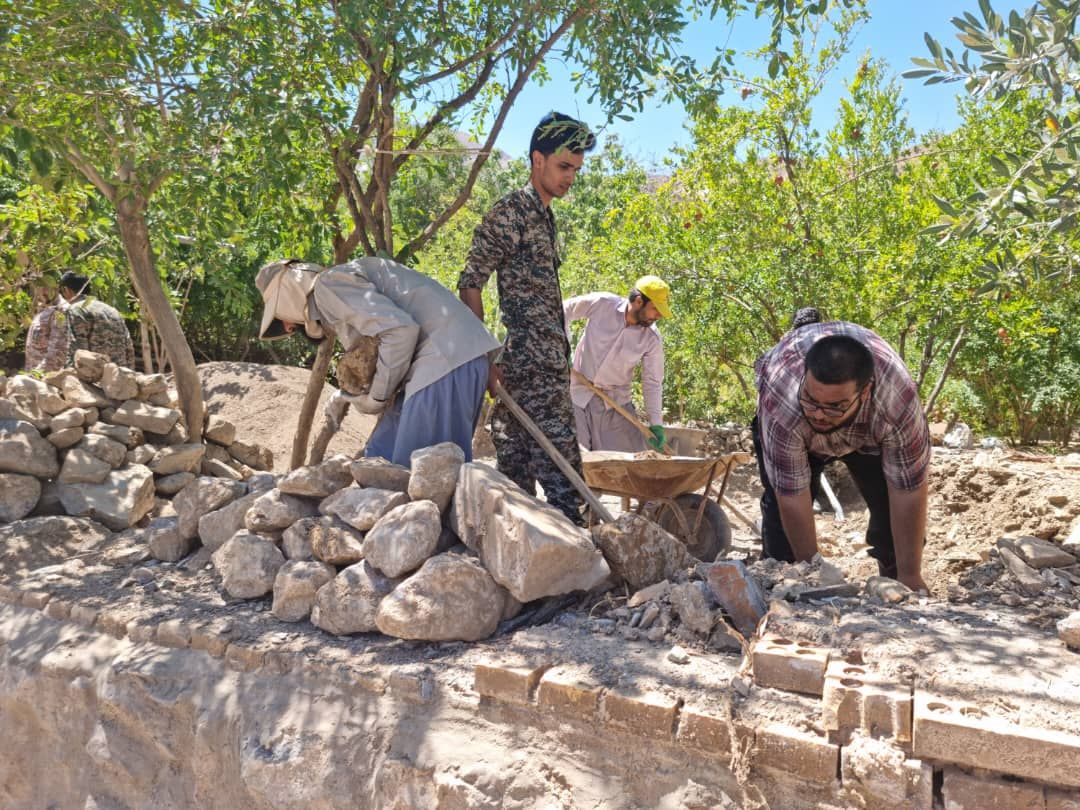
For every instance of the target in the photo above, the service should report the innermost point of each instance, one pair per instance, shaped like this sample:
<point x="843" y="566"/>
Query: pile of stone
<point x="730" y="437"/>
<point x="104" y="442"/>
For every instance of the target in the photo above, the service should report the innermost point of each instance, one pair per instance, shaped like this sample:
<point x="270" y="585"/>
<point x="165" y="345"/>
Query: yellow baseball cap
<point x="656" y="290"/>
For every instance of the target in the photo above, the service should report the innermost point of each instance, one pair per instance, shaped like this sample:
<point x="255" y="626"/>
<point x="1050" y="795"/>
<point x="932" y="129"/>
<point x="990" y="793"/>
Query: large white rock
<point x="435" y="473"/>
<point x="220" y="430"/>
<point x="296" y="540"/>
<point x="336" y="542"/>
<point x="529" y="547"/>
<point x="19" y="494"/>
<point x="1069" y="630"/>
<point x="22" y="450"/>
<point x="146" y="417"/>
<point x="403" y="538"/>
<point x="177" y="458"/>
<point x="361" y="508"/>
<point x="150" y="384"/>
<point x="319" y="480"/>
<point x="70" y="418"/>
<point x="119" y="383"/>
<point x="23" y="409"/>
<point x="111" y="452"/>
<point x="201" y="496"/>
<point x="274" y="510"/>
<point x="130" y="437"/>
<point x="348" y="603"/>
<point x="67" y="437"/>
<point x="451" y="598"/>
<point x="169" y="485"/>
<point x="248" y="565"/>
<point x="83" y="394"/>
<point x="639" y="551"/>
<point x="253" y="455"/>
<point x="120" y="501"/>
<point x="82" y="467"/>
<point x="215" y="528"/>
<point x="90" y="365"/>
<point x="380" y="474"/>
<point x="295" y="587"/>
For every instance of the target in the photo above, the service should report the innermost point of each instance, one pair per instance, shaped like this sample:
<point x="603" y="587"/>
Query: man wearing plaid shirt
<point x="838" y="392"/>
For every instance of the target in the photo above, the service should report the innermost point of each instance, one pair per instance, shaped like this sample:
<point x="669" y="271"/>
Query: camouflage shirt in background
<point x="97" y="327"/>
<point x="516" y="241"/>
<point x="47" y="341"/>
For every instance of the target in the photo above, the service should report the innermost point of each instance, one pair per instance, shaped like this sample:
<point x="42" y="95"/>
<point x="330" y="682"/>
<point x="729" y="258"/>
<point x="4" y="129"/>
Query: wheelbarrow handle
<point x="599" y="510"/>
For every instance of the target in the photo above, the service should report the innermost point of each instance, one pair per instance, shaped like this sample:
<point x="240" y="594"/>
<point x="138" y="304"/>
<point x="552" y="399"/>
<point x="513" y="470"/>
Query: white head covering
<point x="285" y="286"/>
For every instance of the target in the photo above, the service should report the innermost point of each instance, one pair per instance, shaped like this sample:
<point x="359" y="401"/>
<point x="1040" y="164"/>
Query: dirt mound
<point x="264" y="403"/>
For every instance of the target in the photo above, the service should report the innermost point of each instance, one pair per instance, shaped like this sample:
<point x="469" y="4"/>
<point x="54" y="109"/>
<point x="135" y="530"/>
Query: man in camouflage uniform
<point x="93" y="324"/>
<point x="516" y="240"/>
<point x="47" y="340"/>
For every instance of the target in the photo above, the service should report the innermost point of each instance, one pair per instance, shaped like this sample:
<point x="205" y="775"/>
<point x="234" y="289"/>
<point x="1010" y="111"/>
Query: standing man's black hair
<point x="838" y="359"/>
<point x="558" y="131"/>
<point x="75" y="282"/>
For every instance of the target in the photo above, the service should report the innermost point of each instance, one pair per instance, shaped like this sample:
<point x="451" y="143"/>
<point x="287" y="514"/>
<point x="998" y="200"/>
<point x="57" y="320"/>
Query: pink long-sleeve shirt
<point x="609" y="351"/>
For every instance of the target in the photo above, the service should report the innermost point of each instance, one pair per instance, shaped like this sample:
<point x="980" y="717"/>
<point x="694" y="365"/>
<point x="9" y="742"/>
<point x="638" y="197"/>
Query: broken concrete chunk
<point x="19" y="494"/>
<point x="220" y="430"/>
<point x="274" y="510"/>
<point x="318" y="481"/>
<point x="120" y="501"/>
<point x="362" y="508"/>
<point x="295" y="587"/>
<point x="451" y="598"/>
<point x="336" y="542"/>
<point x="248" y="564"/>
<point x="738" y="593"/>
<point x="639" y="551"/>
<point x="435" y="473"/>
<point x="348" y="603"/>
<point x="403" y="538"/>
<point x="379" y="473"/>
<point x="146" y="417"/>
<point x="23" y="451"/>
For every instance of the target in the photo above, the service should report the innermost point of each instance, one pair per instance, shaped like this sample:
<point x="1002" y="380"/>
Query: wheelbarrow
<point x="667" y="491"/>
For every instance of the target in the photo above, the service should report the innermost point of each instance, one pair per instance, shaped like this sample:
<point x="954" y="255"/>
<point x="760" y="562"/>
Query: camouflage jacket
<point x="97" y="327"/>
<point x="517" y="241"/>
<point x="47" y="341"/>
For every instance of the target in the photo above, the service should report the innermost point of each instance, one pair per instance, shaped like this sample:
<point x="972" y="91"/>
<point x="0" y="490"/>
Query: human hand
<point x="659" y="438"/>
<point x="365" y="403"/>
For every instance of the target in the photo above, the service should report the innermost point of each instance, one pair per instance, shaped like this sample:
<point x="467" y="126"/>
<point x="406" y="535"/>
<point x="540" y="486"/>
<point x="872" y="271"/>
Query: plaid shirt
<point x="891" y="422"/>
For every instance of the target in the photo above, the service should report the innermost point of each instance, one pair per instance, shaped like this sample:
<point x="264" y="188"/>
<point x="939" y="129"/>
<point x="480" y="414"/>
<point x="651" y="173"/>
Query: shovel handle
<point x="599" y="510"/>
<point x="619" y="409"/>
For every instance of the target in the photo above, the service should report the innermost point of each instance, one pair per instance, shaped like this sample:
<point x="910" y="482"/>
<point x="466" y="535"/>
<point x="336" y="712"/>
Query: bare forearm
<point x="907" y="518"/>
<point x="473" y="299"/>
<point x="797" y="516"/>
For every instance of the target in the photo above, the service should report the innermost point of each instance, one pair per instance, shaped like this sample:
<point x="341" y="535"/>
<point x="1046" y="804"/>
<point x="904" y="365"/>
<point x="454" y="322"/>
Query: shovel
<point x="598" y="509"/>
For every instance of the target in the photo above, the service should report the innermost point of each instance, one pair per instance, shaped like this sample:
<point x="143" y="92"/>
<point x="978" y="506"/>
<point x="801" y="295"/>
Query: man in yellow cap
<point x="620" y="335"/>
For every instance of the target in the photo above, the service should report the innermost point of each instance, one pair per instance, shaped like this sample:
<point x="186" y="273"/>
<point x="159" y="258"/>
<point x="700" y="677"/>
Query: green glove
<point x="659" y="438"/>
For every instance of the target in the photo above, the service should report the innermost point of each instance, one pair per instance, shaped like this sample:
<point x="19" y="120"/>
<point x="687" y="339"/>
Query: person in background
<point x="92" y="324"/>
<point x="47" y="339"/>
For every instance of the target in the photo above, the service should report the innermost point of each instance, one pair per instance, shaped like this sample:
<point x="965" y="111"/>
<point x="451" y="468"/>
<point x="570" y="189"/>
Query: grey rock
<point x="150" y="384"/>
<point x="336" y="542"/>
<point x="220" y="430"/>
<point x="253" y="455"/>
<point x="295" y="587"/>
<point x="296" y="541"/>
<point x="435" y="473"/>
<point x="120" y="501"/>
<point x="887" y="590"/>
<point x="23" y="385"/>
<point x="142" y="454"/>
<point x="450" y="598"/>
<point x="171" y="484"/>
<point x="119" y="383"/>
<point x="83" y="394"/>
<point x="219" y="469"/>
<point x="71" y="418"/>
<point x="361" y="508"/>
<point x="639" y="551"/>
<point x="378" y="473"/>
<point x="177" y="458"/>
<point x="403" y="538"/>
<point x="348" y="603"/>
<point x="248" y="565"/>
<point x="216" y="527"/>
<point x="166" y="544"/>
<point x="1069" y="630"/>
<point x="691" y="603"/>
<point x="111" y="452"/>
<point x="25" y="409"/>
<point x="82" y="467"/>
<point x="146" y="417"/>
<point x="130" y="437"/>
<point x="1039" y="553"/>
<point x="53" y="404"/>
<point x="318" y="481"/>
<point x="89" y="366"/>
<point x="274" y="511"/>
<point x="23" y="451"/>
<point x="201" y="496"/>
<point x="19" y="494"/>
<point x="68" y="437"/>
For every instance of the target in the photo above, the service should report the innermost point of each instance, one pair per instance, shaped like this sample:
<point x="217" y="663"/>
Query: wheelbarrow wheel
<point x="713" y="536"/>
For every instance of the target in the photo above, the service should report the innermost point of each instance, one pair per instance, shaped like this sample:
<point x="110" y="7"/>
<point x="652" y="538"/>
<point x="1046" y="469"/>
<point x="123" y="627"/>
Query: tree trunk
<point x="135" y="236"/>
<point x="311" y="398"/>
<point x="144" y="342"/>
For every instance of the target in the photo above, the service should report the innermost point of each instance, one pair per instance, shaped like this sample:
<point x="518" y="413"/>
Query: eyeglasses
<point x="836" y="409"/>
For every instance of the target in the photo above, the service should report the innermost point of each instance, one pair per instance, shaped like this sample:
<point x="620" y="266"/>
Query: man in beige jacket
<point x="432" y="365"/>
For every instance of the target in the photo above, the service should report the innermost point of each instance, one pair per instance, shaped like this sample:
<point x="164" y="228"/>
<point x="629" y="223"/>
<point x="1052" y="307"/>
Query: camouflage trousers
<point x="545" y="397"/>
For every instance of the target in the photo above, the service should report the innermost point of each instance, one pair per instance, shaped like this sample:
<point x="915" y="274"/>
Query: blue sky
<point x="894" y="33"/>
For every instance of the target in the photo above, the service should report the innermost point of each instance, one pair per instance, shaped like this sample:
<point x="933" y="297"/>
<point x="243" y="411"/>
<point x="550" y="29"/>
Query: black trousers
<point x="869" y="477"/>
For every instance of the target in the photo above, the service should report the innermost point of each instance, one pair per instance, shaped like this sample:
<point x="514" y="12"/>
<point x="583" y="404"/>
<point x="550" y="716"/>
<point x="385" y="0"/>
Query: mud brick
<point x="739" y="594"/>
<point x="857" y="697"/>
<point x="794" y="666"/>
<point x="570" y="693"/>
<point x="174" y="633"/>
<point x="59" y="609"/>
<point x="34" y="599"/>
<point x="649" y="714"/>
<point x="243" y="657"/>
<point x="1062" y="799"/>
<point x="142" y="631"/>
<point x="965" y="791"/>
<point x="508" y="682"/>
<point x="954" y="731"/>
<point x="796" y="752"/>
<point x="705" y="729"/>
<point x="416" y="685"/>
<point x="84" y="615"/>
<point x="211" y="639"/>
